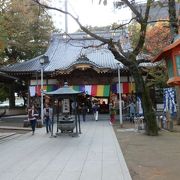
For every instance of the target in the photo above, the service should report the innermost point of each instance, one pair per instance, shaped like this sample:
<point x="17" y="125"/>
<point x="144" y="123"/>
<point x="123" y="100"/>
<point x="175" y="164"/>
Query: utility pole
<point x="66" y="17"/>
<point x="120" y="104"/>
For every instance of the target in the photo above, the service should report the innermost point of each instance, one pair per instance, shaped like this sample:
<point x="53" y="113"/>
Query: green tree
<point x="25" y="30"/>
<point x="3" y="92"/>
<point x="134" y="29"/>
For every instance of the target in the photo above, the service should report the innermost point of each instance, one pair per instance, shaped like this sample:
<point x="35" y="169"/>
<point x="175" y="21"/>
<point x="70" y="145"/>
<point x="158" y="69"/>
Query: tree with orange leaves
<point x="157" y="37"/>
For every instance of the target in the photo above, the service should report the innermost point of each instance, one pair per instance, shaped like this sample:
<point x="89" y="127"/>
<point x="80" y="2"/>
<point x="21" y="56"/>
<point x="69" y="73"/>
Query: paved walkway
<point x="6" y="135"/>
<point x="94" y="155"/>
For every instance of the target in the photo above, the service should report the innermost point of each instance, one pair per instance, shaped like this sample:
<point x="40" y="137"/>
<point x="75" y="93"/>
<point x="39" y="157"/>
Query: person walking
<point x="84" y="111"/>
<point x="132" y="111"/>
<point x="37" y="104"/>
<point x="32" y="117"/>
<point x="96" y="111"/>
<point x="47" y="114"/>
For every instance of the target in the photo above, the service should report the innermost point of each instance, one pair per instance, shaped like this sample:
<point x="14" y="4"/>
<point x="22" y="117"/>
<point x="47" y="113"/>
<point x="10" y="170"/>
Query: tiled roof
<point x="27" y="66"/>
<point x="5" y="77"/>
<point x="64" y="51"/>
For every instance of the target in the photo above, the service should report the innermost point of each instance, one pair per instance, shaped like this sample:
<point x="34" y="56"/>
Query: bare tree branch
<point x="76" y="19"/>
<point x="94" y="46"/>
<point x="117" y="54"/>
<point x="135" y="18"/>
<point x="104" y="40"/>
<point x="143" y="29"/>
<point x="139" y="17"/>
<point x="173" y="19"/>
<point x="160" y="20"/>
<point x="121" y="25"/>
<point x="148" y="6"/>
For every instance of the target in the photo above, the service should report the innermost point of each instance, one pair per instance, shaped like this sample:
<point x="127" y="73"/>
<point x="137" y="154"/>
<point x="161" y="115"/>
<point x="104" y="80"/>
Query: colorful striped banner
<point x="32" y="91"/>
<point x="131" y="87"/>
<point x="100" y="90"/>
<point x="117" y="87"/>
<point x="79" y="88"/>
<point x="93" y="90"/>
<point x="37" y="89"/>
<point x="114" y="88"/>
<point x="126" y="88"/>
<point x="88" y="89"/>
<point x="106" y="91"/>
<point x="51" y="88"/>
<point x="82" y="88"/>
<point x="76" y="88"/>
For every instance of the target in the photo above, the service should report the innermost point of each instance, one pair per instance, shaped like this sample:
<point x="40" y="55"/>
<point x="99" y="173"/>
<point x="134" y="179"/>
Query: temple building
<point x="80" y="60"/>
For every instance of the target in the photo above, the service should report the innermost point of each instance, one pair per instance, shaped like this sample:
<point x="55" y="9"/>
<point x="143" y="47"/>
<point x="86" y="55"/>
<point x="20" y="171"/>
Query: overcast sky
<point x="89" y="14"/>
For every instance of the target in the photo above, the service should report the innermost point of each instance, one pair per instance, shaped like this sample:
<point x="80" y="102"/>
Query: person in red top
<point x="112" y="111"/>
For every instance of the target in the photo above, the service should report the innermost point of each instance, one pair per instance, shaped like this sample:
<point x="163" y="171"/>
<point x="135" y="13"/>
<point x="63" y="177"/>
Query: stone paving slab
<point x="94" y="155"/>
<point x="5" y="135"/>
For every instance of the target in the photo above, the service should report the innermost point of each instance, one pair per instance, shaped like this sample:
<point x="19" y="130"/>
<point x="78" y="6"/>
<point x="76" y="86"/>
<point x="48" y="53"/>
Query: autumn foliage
<point x="157" y="37"/>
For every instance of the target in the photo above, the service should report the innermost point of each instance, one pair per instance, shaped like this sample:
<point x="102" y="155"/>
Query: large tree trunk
<point x="143" y="92"/>
<point x="149" y="113"/>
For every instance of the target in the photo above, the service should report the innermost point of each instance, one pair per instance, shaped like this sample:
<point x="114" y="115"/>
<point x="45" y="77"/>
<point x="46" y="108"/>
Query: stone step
<point x="15" y="128"/>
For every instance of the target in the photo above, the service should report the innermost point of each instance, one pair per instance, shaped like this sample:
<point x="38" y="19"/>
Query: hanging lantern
<point x="171" y="54"/>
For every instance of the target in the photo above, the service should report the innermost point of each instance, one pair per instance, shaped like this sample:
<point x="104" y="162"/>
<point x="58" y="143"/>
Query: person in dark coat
<point x="84" y="111"/>
<point x="48" y="113"/>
